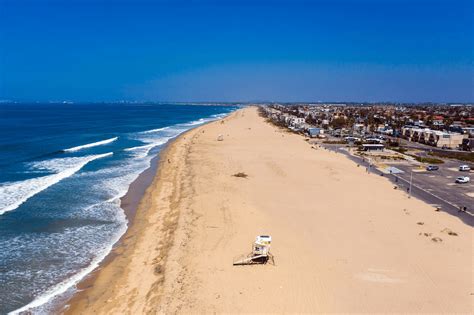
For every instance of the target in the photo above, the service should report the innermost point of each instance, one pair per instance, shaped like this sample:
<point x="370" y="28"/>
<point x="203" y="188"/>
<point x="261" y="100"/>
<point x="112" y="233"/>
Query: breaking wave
<point x="90" y="145"/>
<point x="13" y="194"/>
<point x="155" y="130"/>
<point x="143" y="150"/>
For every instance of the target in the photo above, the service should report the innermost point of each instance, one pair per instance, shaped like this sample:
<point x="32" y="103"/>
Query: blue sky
<point x="340" y="50"/>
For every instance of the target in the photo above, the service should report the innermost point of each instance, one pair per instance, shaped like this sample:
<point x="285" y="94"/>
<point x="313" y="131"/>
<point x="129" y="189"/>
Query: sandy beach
<point x="344" y="241"/>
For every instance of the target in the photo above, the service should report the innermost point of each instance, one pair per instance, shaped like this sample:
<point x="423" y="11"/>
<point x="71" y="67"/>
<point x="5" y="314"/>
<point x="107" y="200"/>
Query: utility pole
<point x="411" y="181"/>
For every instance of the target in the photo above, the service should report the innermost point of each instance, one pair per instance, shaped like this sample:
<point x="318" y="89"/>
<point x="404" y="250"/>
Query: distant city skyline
<point x="210" y="51"/>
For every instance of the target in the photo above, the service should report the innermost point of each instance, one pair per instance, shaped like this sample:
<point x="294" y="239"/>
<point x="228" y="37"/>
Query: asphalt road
<point x="435" y="187"/>
<point x="442" y="183"/>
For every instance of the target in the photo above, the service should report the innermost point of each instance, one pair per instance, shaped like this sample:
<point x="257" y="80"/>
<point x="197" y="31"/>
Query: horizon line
<point x="13" y="101"/>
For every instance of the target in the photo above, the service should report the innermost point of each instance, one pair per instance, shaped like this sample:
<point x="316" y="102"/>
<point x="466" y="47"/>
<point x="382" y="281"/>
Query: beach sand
<point x="344" y="241"/>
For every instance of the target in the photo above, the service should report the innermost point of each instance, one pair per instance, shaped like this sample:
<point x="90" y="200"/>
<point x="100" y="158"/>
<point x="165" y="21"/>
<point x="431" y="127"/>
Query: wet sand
<point x="343" y="240"/>
<point x="129" y="203"/>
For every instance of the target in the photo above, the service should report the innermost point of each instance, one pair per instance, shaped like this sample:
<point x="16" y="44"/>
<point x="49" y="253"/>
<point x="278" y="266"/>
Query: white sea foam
<point x="219" y="115"/>
<point x="191" y="123"/>
<point x="143" y="150"/>
<point x="13" y="194"/>
<point x="140" y="147"/>
<point x="62" y="287"/>
<point x="90" y="145"/>
<point x="198" y="122"/>
<point x="205" y="120"/>
<point x="118" y="187"/>
<point x="155" y="130"/>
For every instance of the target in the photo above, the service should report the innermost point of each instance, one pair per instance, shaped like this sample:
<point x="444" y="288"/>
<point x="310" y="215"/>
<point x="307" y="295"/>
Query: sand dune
<point x="344" y="241"/>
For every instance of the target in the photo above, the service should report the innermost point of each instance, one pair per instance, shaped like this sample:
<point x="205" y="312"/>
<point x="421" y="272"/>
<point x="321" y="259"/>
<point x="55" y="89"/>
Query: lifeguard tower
<point x="260" y="252"/>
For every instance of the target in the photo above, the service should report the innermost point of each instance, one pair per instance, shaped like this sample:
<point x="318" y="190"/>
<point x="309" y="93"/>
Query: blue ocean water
<point x="63" y="169"/>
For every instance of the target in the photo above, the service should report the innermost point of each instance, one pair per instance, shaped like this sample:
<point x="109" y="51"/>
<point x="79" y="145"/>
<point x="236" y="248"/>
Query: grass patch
<point x="384" y="157"/>
<point x="425" y="159"/>
<point x="429" y="160"/>
<point x="399" y="150"/>
<point x="334" y="142"/>
<point x="468" y="157"/>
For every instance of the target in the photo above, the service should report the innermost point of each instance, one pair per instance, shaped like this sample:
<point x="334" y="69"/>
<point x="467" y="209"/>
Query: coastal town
<point x="449" y="127"/>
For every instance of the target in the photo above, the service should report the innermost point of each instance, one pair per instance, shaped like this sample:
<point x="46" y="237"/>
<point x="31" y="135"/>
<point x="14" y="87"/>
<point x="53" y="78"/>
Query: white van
<point x="464" y="168"/>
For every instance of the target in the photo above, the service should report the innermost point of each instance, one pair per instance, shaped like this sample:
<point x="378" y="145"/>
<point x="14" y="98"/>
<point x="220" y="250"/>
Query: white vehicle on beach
<point x="464" y="168"/>
<point x="463" y="180"/>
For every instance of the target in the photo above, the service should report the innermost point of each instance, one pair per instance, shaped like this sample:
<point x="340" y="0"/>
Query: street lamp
<point x="411" y="181"/>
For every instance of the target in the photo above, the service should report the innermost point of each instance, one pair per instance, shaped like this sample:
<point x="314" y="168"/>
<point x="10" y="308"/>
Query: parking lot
<point x="441" y="182"/>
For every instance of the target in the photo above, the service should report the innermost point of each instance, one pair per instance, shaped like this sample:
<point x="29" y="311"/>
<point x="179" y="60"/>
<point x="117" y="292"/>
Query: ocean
<point x="63" y="170"/>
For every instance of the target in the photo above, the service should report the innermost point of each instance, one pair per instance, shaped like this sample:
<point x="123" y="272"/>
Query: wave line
<point x="90" y="145"/>
<point x="13" y="194"/>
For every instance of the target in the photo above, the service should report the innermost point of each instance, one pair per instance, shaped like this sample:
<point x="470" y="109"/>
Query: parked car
<point x="464" y="168"/>
<point x="432" y="168"/>
<point x="463" y="180"/>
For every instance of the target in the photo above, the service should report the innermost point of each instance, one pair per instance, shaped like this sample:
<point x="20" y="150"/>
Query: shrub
<point x="468" y="157"/>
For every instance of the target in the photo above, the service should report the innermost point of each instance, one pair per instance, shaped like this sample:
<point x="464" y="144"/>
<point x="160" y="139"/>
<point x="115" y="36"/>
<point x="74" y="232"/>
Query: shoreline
<point x="195" y="217"/>
<point x="131" y="203"/>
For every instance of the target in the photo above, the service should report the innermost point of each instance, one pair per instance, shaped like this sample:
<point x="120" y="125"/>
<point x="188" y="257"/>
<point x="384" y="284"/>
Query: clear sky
<point x="287" y="50"/>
